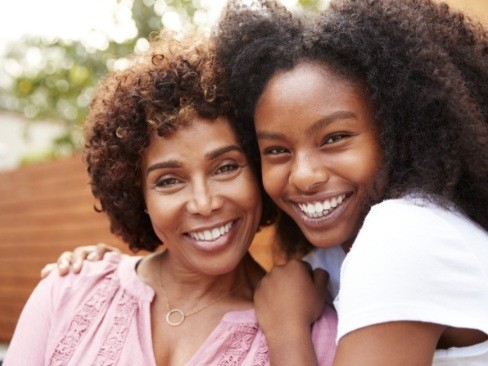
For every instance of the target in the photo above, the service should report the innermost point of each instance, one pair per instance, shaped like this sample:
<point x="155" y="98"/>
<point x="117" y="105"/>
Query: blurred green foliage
<point x="60" y="84"/>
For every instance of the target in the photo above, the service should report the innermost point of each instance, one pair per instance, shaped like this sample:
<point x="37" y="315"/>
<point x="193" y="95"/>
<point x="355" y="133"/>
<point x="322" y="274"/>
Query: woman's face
<point x="320" y="152"/>
<point x="202" y="196"/>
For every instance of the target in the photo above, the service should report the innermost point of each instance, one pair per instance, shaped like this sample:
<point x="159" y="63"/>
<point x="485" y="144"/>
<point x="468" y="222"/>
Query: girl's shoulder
<point x="414" y="214"/>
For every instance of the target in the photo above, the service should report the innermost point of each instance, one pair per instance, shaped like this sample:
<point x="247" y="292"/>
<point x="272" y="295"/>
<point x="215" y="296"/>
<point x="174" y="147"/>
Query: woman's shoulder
<point x="108" y="264"/>
<point x="94" y="276"/>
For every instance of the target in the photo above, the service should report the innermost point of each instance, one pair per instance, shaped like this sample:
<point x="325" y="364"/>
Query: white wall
<point x="19" y="137"/>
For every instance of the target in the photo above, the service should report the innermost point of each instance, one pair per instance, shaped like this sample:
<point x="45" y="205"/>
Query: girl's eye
<point x="227" y="168"/>
<point x="275" y="151"/>
<point x="334" y="138"/>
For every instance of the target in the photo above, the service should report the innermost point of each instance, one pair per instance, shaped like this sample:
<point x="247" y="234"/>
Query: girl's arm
<point x="392" y="343"/>
<point x="287" y="301"/>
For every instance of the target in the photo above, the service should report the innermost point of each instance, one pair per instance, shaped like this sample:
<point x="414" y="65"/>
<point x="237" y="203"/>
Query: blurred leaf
<point x="60" y="83"/>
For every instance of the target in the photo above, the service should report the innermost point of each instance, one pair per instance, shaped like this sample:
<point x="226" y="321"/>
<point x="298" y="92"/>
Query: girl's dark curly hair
<point x="425" y="68"/>
<point x="161" y="91"/>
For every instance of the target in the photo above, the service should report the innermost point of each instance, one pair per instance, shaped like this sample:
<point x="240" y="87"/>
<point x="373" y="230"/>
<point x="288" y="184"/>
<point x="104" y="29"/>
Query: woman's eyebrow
<point x="163" y="165"/>
<point x="209" y="156"/>
<point x="220" y="151"/>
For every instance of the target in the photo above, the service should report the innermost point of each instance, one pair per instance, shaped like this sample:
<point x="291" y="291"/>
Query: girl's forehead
<point x="312" y="86"/>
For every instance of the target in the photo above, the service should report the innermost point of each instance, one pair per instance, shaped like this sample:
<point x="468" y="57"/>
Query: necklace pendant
<point x="175" y="317"/>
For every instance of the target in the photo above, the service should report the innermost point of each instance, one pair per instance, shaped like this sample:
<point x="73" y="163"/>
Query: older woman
<point x="168" y="168"/>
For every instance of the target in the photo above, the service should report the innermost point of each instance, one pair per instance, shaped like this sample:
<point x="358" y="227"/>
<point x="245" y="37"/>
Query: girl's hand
<point x="290" y="294"/>
<point x="287" y="301"/>
<point x="74" y="260"/>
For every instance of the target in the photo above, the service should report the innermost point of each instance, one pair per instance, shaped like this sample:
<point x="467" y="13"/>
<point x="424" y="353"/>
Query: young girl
<point x="371" y="123"/>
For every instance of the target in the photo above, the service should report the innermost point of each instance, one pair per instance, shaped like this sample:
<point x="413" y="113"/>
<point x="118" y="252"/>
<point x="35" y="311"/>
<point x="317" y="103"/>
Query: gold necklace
<point x="175" y="316"/>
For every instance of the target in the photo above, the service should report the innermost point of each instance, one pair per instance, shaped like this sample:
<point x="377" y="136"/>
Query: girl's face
<point x="320" y="152"/>
<point x="202" y="196"/>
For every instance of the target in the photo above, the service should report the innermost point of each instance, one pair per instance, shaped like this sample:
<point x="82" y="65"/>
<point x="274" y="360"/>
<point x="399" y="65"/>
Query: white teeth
<point x="211" y="235"/>
<point x="319" y="209"/>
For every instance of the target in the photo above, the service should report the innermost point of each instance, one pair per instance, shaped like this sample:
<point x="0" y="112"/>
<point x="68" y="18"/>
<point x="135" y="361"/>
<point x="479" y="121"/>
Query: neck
<point x="186" y="286"/>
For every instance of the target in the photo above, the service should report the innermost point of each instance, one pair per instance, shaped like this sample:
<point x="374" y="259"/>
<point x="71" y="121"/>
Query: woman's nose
<point x="204" y="199"/>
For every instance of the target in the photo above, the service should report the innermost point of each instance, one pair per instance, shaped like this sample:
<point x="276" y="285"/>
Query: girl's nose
<point x="308" y="173"/>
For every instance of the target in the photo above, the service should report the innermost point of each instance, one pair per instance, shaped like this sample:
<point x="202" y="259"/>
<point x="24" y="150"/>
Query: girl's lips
<point x="320" y="208"/>
<point x="324" y="217"/>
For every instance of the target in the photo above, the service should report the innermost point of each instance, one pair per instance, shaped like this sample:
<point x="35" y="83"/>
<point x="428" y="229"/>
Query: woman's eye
<point x="227" y="168"/>
<point x="167" y="182"/>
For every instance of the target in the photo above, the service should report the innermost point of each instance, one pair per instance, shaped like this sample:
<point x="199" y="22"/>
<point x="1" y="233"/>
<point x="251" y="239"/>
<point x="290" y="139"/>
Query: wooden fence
<point x="44" y="210"/>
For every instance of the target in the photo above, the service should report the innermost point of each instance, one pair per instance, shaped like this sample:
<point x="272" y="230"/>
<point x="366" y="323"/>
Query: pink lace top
<point x="102" y="317"/>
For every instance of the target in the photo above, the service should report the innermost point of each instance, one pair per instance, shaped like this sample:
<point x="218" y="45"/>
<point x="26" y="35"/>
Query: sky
<point x="82" y="19"/>
<point x="51" y="18"/>
<point x="73" y="19"/>
<point x="90" y="21"/>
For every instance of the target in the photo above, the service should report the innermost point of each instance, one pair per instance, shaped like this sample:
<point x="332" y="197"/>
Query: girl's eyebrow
<point x="321" y="123"/>
<point x="209" y="156"/>
<point x="263" y="135"/>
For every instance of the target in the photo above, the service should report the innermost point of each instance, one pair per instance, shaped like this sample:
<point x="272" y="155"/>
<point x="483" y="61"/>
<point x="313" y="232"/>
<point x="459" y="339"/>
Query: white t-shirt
<point x="414" y="261"/>
<point x="330" y="260"/>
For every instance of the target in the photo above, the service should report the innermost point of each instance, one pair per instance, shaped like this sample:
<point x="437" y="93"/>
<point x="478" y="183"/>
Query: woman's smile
<point x="202" y="196"/>
<point x="214" y="238"/>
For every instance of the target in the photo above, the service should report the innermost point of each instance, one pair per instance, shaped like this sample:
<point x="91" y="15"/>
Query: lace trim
<point x="95" y="305"/>
<point x="262" y="356"/>
<point x="240" y="345"/>
<point x="110" y="352"/>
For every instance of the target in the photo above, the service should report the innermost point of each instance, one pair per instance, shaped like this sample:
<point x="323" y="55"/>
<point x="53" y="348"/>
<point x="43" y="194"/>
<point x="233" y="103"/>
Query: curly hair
<point x="162" y="90"/>
<point x="424" y="67"/>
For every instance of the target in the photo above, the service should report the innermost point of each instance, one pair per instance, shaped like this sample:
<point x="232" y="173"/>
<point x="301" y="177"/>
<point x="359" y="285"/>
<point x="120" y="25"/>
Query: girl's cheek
<point x="273" y="181"/>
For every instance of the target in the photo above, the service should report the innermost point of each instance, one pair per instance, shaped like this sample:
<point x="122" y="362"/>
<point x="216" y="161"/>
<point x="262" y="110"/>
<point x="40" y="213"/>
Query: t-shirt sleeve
<point x="410" y="264"/>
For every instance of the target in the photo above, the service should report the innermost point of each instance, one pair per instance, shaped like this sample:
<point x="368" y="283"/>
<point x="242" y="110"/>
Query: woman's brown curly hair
<point x="425" y="68"/>
<point x="163" y="90"/>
